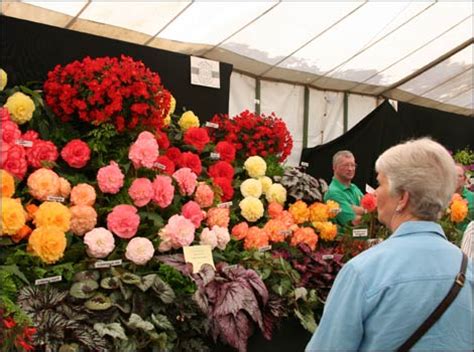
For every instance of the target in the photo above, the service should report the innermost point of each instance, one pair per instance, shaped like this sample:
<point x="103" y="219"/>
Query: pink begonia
<point x="208" y="237"/>
<point x="83" y="219"/>
<point x="177" y="233"/>
<point x="139" y="250"/>
<point x="218" y="217"/>
<point x="144" y="151"/>
<point x="192" y="211"/>
<point x="186" y="180"/>
<point x="123" y="221"/>
<point x="4" y="114"/>
<point x="204" y="195"/>
<point x="223" y="236"/>
<point x="163" y="190"/>
<point x="141" y="191"/>
<point x="64" y="187"/>
<point x="100" y="242"/>
<point x="9" y="132"/>
<point x="110" y="178"/>
<point x="83" y="194"/>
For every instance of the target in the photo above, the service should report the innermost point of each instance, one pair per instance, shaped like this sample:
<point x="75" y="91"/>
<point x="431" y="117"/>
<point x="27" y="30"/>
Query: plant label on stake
<point x="48" y="280"/>
<point x="107" y="263"/>
<point x="198" y="256"/>
<point x="55" y="199"/>
<point x="211" y="125"/>
<point x="224" y="205"/>
<point x="359" y="232"/>
<point x="215" y="156"/>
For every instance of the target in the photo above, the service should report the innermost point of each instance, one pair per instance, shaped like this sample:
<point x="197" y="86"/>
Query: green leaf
<point x="137" y="322"/>
<point x="83" y="289"/>
<point x="98" y="302"/>
<point x="14" y="270"/>
<point x="162" y="322"/>
<point x="146" y="282"/>
<point x="307" y="320"/>
<point x="114" y="330"/>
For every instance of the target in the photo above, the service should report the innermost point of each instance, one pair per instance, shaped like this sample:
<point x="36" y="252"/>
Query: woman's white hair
<point x="424" y="169"/>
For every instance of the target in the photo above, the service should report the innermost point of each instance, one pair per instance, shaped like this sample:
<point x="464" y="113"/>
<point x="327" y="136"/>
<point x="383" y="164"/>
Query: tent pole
<point x="306" y="117"/>
<point x="346" y="112"/>
<point x="257" y="96"/>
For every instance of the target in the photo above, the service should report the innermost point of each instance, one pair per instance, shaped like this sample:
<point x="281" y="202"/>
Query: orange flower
<point x="21" y="234"/>
<point x="327" y="230"/>
<point x="300" y="212"/>
<point x="48" y="243"/>
<point x="7" y="184"/>
<point x="305" y="235"/>
<point x="239" y="231"/>
<point x="333" y="208"/>
<point x="31" y="210"/>
<point x="256" y="238"/>
<point x="276" y="230"/>
<point x="274" y="209"/>
<point x="318" y="212"/>
<point x="287" y="219"/>
<point x="458" y="210"/>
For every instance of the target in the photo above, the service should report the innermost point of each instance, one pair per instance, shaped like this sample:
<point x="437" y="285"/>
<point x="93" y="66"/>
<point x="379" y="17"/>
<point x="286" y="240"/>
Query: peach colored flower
<point x="139" y="250"/>
<point x="163" y="191"/>
<point x="256" y="238"/>
<point x="239" y="231"/>
<point x="141" y="191"/>
<point x="83" y="219"/>
<point x="177" y="233"/>
<point x="110" y="178"/>
<point x="218" y="217"/>
<point x="186" y="180"/>
<point x="305" y="235"/>
<point x="64" y="187"/>
<point x="100" y="242"/>
<point x="204" y="195"/>
<point x="83" y="194"/>
<point x="276" y="230"/>
<point x="123" y="221"/>
<point x="43" y="183"/>
<point x="274" y="209"/>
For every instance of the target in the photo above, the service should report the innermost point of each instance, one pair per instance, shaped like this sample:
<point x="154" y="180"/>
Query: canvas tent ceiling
<point x="415" y="51"/>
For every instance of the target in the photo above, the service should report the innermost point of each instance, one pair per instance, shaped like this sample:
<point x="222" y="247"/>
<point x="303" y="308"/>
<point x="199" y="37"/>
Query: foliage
<point x="301" y="185"/>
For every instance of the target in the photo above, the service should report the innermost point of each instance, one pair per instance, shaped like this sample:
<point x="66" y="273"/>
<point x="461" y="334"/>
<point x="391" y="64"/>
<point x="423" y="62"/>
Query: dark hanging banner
<point x="29" y="50"/>
<point x="385" y="127"/>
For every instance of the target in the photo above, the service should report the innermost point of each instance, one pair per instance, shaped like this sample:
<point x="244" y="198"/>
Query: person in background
<point x="467" y="243"/>
<point x="462" y="190"/>
<point x="381" y="297"/>
<point x="343" y="191"/>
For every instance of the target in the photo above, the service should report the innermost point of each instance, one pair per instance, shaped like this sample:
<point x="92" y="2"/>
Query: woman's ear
<point x="403" y="202"/>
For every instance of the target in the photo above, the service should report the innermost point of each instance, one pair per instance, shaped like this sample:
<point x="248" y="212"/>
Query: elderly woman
<point x="382" y="296"/>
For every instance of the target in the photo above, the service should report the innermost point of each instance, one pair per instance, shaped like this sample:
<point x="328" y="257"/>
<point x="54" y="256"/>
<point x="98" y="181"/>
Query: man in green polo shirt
<point x="343" y="191"/>
<point x="466" y="194"/>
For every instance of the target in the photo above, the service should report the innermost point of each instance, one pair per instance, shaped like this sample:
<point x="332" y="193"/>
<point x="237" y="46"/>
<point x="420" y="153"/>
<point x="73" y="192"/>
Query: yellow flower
<point x="53" y="214"/>
<point x="300" y="212"/>
<point x="13" y="216"/>
<point x="255" y="166"/>
<point x="188" y="120"/>
<point x="251" y="188"/>
<point x="21" y="107"/>
<point x="327" y="230"/>
<point x="458" y="210"/>
<point x="3" y="79"/>
<point x="266" y="183"/>
<point x="251" y="208"/>
<point x="276" y="193"/>
<point x="8" y="184"/>
<point x="318" y="212"/>
<point x="48" y="243"/>
<point x="333" y="208"/>
<point x="172" y="106"/>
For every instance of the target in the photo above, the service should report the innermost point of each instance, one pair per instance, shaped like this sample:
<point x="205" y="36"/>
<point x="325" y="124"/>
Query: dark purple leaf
<point x="235" y="330"/>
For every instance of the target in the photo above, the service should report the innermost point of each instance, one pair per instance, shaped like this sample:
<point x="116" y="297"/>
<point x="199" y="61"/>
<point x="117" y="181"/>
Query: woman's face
<point x="386" y="203"/>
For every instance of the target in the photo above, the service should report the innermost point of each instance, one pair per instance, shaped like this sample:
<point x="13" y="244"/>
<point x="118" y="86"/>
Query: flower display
<point x="204" y="195"/>
<point x="188" y="120"/>
<point x="43" y="183"/>
<point x="123" y="221"/>
<point x="276" y="193"/>
<point x="251" y="188"/>
<point x="144" y="151"/>
<point x="163" y="191"/>
<point x="48" y="243"/>
<point x="177" y="233"/>
<point x="251" y="208"/>
<point x="76" y="153"/>
<point x="255" y="166"/>
<point x="83" y="219"/>
<point x="53" y="214"/>
<point x="117" y="90"/>
<point x="20" y="107"/>
<point x="7" y="184"/>
<point x="100" y="242"/>
<point x="110" y="178"/>
<point x="13" y="216"/>
<point x="42" y="153"/>
<point x="139" y="250"/>
<point x="218" y="217"/>
<point x="141" y="191"/>
<point x="83" y="194"/>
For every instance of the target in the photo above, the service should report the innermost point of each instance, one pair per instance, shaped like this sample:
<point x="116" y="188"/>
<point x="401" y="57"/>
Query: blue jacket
<point x="381" y="296"/>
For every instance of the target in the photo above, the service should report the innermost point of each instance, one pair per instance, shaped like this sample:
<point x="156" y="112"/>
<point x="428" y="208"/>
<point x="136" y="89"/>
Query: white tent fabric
<point x="413" y="51"/>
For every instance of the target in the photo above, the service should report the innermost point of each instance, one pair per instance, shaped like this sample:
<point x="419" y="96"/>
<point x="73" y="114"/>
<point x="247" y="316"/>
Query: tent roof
<point x="414" y="51"/>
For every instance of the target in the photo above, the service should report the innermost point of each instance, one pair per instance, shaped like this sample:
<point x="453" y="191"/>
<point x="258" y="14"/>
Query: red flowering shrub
<point x="121" y="91"/>
<point x="254" y="134"/>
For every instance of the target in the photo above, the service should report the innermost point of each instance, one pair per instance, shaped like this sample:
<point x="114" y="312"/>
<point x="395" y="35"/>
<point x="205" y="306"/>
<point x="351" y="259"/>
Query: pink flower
<point x="163" y="191"/>
<point x="144" y="151"/>
<point x="123" y="221"/>
<point x="13" y="160"/>
<point x="83" y="219"/>
<point x="208" y="237"/>
<point x="41" y="154"/>
<point x="139" y="250"/>
<point x="76" y="153"/>
<point x="223" y="236"/>
<point x="177" y="233"/>
<point x="141" y="191"/>
<point x="192" y="211"/>
<point x="110" y="178"/>
<point x="204" y="195"/>
<point x="83" y="194"/>
<point x="100" y="242"/>
<point x="9" y="132"/>
<point x="4" y="114"/>
<point x="30" y="135"/>
<point x="186" y="180"/>
<point x="64" y="187"/>
<point x="218" y="216"/>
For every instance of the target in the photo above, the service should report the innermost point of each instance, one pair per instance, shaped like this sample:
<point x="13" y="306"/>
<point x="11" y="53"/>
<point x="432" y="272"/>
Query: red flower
<point x="197" y="137"/>
<point x="173" y="153"/>
<point x="117" y="90"/>
<point x="169" y="166"/>
<point x="226" y="151"/>
<point x="9" y="322"/>
<point x="41" y="154"/>
<point x="190" y="160"/>
<point x="30" y="135"/>
<point x="13" y="160"/>
<point x="76" y="153"/>
<point x="9" y="132"/>
<point x="162" y="139"/>
<point x="221" y="169"/>
<point x="369" y="202"/>
<point x="225" y="185"/>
